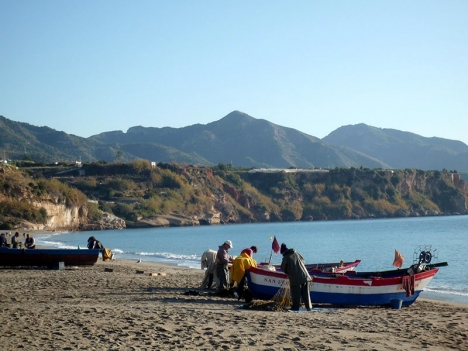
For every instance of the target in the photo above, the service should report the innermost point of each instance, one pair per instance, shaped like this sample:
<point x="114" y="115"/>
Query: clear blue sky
<point x="87" y="67"/>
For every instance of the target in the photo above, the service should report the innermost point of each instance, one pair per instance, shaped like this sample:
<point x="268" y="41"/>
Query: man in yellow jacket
<point x="239" y="266"/>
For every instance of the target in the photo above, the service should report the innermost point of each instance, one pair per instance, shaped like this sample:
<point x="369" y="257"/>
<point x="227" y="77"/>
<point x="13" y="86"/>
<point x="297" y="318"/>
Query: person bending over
<point x="299" y="280"/>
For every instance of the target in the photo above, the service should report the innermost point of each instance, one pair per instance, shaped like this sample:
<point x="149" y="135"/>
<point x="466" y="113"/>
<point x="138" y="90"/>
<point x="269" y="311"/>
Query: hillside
<point x="176" y="195"/>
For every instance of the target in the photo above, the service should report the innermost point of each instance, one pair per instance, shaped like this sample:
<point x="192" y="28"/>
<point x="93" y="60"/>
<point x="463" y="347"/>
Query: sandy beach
<point x="120" y="305"/>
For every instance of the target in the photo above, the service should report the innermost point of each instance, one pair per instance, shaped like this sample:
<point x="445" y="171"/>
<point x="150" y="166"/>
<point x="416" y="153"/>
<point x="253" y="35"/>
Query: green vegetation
<point x="21" y="197"/>
<point x="13" y="211"/>
<point x="94" y="213"/>
<point x="135" y="190"/>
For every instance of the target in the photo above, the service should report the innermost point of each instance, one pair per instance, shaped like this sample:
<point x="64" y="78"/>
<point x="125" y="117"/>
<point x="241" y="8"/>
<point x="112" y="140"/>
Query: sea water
<point x="372" y="241"/>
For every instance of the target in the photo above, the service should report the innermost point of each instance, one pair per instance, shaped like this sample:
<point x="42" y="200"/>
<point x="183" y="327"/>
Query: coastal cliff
<point x="138" y="195"/>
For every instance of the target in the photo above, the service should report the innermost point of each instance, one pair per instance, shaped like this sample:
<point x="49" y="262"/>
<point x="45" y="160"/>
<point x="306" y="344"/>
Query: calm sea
<point x="372" y="241"/>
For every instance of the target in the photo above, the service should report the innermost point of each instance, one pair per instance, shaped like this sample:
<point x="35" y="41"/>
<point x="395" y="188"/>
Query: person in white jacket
<point x="208" y="262"/>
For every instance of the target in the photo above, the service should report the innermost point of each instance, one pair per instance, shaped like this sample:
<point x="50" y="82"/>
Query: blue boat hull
<point x="47" y="257"/>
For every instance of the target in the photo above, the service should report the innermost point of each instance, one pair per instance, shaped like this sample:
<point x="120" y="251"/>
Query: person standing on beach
<point x="222" y="262"/>
<point x="3" y="240"/>
<point x="293" y="265"/>
<point x="15" y="240"/>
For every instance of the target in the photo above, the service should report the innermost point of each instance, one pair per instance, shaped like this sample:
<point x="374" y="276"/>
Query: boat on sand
<point x="351" y="288"/>
<point x="47" y="257"/>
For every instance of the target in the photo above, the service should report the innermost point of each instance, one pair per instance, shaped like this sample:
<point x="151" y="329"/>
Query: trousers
<point x="298" y="292"/>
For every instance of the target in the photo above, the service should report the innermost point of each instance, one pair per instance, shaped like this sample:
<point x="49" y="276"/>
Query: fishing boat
<point x="351" y="288"/>
<point x="47" y="257"/>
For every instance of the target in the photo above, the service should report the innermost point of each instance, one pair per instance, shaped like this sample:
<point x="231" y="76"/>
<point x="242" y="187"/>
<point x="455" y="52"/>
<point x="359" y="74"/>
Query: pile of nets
<point x="280" y="302"/>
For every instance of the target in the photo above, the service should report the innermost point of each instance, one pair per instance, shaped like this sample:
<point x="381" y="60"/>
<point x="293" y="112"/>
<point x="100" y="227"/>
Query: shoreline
<point x="112" y="305"/>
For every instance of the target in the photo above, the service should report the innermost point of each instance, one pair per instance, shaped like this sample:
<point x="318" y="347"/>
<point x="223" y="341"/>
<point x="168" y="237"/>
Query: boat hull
<point x="47" y="257"/>
<point x="344" y="290"/>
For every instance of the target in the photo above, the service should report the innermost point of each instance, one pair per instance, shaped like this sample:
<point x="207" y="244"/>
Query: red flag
<point x="275" y="246"/>
<point x="398" y="261"/>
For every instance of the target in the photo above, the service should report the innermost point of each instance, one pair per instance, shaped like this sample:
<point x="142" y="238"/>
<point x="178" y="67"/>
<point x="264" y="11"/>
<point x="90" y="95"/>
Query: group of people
<point x="16" y="243"/>
<point x="217" y="264"/>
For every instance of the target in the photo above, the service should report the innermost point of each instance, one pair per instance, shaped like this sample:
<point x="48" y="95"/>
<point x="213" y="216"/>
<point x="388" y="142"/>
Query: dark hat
<point x="283" y="249"/>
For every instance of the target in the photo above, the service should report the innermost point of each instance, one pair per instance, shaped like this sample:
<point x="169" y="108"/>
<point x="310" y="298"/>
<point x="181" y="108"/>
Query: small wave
<point x="188" y="261"/>
<point x="189" y="265"/>
<point x="447" y="292"/>
<point x="166" y="255"/>
<point x="49" y="235"/>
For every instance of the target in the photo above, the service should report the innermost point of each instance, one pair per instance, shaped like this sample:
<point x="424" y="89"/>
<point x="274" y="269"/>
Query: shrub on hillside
<point x="94" y="213"/>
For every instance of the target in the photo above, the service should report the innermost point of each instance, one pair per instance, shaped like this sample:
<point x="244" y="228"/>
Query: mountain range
<point x="240" y="140"/>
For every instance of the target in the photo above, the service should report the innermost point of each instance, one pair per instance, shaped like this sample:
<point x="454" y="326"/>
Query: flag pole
<point x="271" y="253"/>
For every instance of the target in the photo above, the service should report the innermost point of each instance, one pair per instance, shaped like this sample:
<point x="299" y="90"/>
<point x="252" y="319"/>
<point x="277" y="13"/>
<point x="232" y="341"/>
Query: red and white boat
<point x="351" y="288"/>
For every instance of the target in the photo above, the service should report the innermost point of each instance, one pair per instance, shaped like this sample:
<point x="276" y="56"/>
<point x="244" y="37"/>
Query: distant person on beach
<point x="29" y="242"/>
<point x="208" y="261"/>
<point x="15" y="242"/>
<point x="293" y="265"/>
<point x="93" y="243"/>
<point x="222" y="269"/>
<point x="3" y="240"/>
<point x="239" y="266"/>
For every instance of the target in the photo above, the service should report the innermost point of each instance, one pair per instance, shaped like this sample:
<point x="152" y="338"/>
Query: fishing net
<point x="280" y="302"/>
<point x="283" y="296"/>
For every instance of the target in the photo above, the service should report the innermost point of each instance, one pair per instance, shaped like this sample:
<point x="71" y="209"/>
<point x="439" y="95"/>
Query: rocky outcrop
<point x="240" y="197"/>
<point x="62" y="217"/>
<point x="108" y="221"/>
<point x="228" y="213"/>
<point x="163" y="221"/>
<point x="175" y="220"/>
<point x="211" y="218"/>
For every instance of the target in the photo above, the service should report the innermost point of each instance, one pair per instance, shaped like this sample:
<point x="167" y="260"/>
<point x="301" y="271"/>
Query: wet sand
<point x="118" y="305"/>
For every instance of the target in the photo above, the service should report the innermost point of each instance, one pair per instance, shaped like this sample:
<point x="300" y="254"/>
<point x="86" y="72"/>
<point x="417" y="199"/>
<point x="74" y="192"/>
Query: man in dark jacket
<point x="29" y="242"/>
<point x="93" y="243"/>
<point x="299" y="280"/>
<point x="3" y="240"/>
